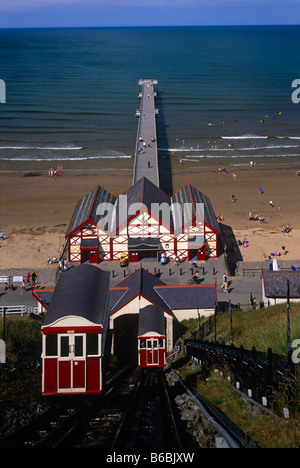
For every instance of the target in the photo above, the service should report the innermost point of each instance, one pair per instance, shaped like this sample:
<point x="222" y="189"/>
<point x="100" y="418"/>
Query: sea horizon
<point x="224" y="94"/>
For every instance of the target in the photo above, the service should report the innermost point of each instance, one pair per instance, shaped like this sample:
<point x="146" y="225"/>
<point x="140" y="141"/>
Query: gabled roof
<point x="86" y="208"/>
<point x="189" y="196"/>
<point x="196" y="296"/>
<point x="83" y="292"/>
<point x="139" y="283"/>
<point x="144" y="192"/>
<point x="151" y="319"/>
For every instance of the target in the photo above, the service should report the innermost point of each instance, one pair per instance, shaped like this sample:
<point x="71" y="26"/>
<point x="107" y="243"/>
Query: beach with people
<point x="36" y="209"/>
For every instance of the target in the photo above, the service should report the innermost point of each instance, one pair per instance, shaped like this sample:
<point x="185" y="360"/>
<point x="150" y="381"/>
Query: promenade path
<point x="146" y="156"/>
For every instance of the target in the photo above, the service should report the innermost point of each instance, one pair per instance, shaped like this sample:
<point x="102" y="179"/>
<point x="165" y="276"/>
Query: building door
<point x="93" y="256"/>
<point x="71" y="363"/>
<point x="134" y="257"/>
<point x="201" y="253"/>
<point x="152" y="352"/>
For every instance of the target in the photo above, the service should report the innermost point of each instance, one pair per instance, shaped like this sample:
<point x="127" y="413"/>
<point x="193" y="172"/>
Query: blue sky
<point x="84" y="13"/>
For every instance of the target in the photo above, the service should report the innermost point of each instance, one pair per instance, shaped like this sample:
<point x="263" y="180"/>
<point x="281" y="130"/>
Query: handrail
<point x="18" y="309"/>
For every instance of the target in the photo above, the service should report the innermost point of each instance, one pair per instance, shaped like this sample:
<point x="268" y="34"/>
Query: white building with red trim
<point x="142" y="223"/>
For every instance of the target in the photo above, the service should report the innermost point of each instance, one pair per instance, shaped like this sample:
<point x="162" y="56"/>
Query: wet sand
<point x="36" y="209"/>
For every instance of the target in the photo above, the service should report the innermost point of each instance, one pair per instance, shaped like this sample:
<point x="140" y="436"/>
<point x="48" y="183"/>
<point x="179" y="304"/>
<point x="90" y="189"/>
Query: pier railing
<point x="137" y="143"/>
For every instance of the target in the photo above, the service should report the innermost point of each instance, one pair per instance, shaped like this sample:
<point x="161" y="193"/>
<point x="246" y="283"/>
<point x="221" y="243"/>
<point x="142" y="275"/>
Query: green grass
<point x="22" y="338"/>
<point x="262" y="328"/>
<point x="265" y="430"/>
<point x="22" y="387"/>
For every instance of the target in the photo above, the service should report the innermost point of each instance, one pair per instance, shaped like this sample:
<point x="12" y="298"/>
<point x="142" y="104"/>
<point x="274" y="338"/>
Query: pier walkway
<point x="146" y="155"/>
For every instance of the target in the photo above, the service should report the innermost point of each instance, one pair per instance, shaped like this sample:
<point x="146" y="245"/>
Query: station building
<point x="142" y="223"/>
<point x="83" y="306"/>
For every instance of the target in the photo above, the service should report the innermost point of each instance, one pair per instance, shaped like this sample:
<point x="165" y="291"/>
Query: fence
<point x="18" y="310"/>
<point x="256" y="373"/>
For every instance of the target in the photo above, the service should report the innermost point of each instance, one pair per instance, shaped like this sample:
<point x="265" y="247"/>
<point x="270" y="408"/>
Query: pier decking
<point x="146" y="155"/>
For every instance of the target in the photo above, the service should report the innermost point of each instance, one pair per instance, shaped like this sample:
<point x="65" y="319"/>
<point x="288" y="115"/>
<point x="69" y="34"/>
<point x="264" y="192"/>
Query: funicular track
<point x="150" y="421"/>
<point x="79" y="421"/>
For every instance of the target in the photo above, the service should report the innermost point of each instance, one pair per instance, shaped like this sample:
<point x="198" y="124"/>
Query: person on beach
<point x="28" y="278"/>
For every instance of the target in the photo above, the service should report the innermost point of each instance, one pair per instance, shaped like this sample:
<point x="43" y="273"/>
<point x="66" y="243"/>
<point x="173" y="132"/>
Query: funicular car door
<point x="152" y="352"/>
<point x="71" y="363"/>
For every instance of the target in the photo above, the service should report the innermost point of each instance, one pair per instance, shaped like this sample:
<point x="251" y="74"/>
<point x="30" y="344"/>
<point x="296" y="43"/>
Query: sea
<point x="224" y="95"/>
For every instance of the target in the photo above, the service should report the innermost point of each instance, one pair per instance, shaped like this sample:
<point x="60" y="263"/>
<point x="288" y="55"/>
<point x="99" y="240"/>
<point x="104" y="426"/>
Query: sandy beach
<point x="36" y="209"/>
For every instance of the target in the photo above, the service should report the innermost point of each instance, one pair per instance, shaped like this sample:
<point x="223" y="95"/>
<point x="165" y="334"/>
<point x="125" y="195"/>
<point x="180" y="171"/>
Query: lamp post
<point x="288" y="318"/>
<point x="231" y="327"/>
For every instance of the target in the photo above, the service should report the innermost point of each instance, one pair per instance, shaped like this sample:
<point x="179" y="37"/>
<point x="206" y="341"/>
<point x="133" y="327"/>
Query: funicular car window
<point x="51" y="345"/>
<point x="92" y="344"/>
<point x="64" y="346"/>
<point x="78" y="346"/>
<point x="161" y="343"/>
<point x="142" y="344"/>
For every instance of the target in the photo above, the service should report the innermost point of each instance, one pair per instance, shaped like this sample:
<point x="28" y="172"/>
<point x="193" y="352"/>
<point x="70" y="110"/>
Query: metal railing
<point x="261" y="372"/>
<point x="18" y="310"/>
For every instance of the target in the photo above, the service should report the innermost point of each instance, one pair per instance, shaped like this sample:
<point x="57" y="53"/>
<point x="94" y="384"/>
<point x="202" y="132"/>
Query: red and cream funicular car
<point x="151" y="337"/>
<point x="74" y="333"/>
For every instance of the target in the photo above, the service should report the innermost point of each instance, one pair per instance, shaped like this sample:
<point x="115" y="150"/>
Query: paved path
<point x="240" y="288"/>
<point x="46" y="278"/>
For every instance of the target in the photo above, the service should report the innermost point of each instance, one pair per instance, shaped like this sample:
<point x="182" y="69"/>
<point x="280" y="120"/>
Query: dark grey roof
<point x="44" y="297"/>
<point x="276" y="284"/>
<point x="189" y="296"/>
<point x="116" y="295"/>
<point x="140" y="282"/>
<point x="146" y="193"/>
<point x="86" y="208"/>
<point x="188" y="197"/>
<point x="151" y="319"/>
<point x="82" y="291"/>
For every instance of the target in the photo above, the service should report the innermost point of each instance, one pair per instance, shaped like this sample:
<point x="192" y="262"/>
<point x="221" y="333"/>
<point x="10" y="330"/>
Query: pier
<point x="146" y="154"/>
